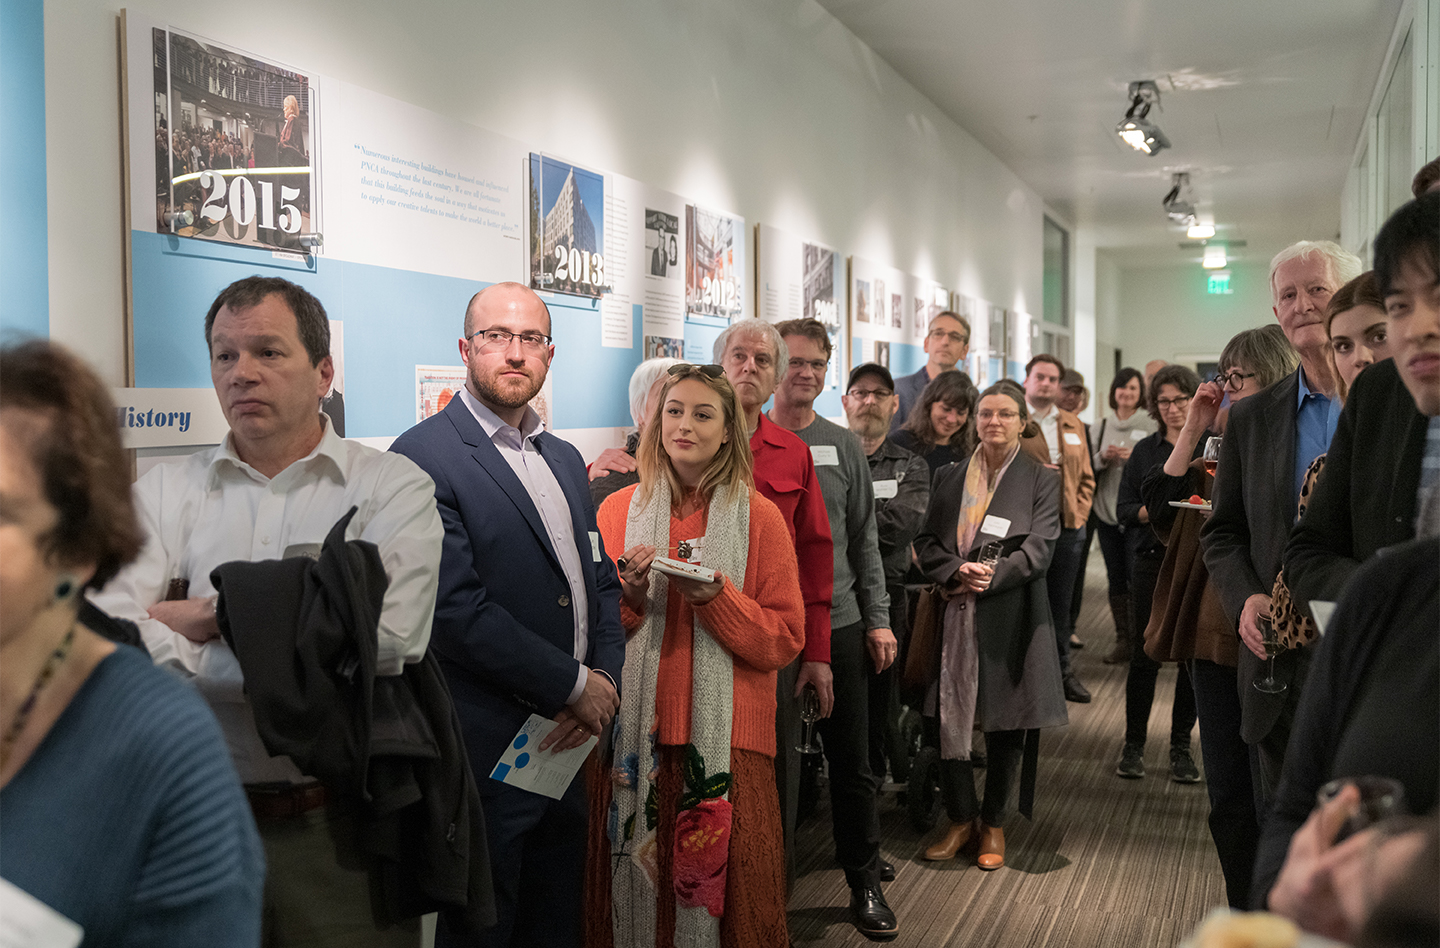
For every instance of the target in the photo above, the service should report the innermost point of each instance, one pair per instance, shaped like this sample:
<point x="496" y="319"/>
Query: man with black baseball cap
<point x="902" y="492"/>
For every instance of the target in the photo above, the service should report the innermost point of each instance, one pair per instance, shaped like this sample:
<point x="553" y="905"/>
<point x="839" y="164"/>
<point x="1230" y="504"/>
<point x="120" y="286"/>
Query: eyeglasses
<point x="938" y="334"/>
<point x="1234" y="381"/>
<point x="500" y="339"/>
<point x="710" y="371"/>
<point x="866" y="394"/>
<point x="1178" y="402"/>
<point x="988" y="415"/>
<point x="815" y="365"/>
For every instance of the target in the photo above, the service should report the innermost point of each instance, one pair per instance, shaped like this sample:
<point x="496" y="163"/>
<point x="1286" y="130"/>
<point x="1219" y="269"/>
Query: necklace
<point x="22" y="716"/>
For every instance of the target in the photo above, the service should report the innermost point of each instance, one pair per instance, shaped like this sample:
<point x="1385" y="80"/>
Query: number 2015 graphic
<point x="239" y="203"/>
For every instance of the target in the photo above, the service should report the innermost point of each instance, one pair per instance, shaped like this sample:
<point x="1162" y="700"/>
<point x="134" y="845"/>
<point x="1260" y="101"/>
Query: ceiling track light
<point x="1136" y="130"/>
<point x="1178" y="201"/>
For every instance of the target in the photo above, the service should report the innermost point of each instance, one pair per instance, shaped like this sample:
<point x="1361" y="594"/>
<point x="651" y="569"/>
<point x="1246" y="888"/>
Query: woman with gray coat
<point x="997" y="670"/>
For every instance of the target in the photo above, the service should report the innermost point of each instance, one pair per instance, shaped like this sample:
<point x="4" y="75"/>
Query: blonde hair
<point x="732" y="464"/>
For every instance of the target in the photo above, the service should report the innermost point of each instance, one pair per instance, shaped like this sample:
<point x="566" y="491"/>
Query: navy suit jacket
<point x="504" y="630"/>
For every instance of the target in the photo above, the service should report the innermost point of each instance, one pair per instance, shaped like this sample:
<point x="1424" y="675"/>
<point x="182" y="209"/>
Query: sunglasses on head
<point x="710" y="371"/>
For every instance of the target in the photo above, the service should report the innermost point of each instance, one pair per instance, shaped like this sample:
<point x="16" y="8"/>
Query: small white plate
<point x="1189" y="506"/>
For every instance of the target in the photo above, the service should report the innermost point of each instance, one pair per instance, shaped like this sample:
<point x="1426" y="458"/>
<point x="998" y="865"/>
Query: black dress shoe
<point x="887" y="870"/>
<point x="872" y="914"/>
<point x="1074" y="691"/>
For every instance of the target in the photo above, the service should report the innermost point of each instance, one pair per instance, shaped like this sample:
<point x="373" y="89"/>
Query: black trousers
<point x="1077" y="593"/>
<point x="884" y="710"/>
<point x="1117" y="557"/>
<point x="1233" y="825"/>
<point x="846" y="738"/>
<point x="787" y="760"/>
<point x="1060" y="584"/>
<point x="1003" y="750"/>
<point x="1144" y="670"/>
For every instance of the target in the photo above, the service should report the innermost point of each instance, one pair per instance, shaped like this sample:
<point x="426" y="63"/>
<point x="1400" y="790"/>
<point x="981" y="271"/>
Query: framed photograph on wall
<point x="236" y="145"/>
<point x="567" y="228"/>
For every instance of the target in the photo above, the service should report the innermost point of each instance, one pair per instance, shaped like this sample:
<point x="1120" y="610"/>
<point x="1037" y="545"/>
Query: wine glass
<point x="990" y="556"/>
<point x="809" y="713"/>
<point x="1212" y="455"/>
<point x="1268" y="685"/>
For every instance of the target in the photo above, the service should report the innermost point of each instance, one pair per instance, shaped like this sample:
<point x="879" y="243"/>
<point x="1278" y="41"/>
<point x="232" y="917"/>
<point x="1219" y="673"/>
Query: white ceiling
<point x="1262" y="100"/>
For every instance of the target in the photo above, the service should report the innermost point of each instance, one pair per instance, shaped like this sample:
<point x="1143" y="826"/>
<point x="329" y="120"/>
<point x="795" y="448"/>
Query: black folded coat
<point x="304" y="631"/>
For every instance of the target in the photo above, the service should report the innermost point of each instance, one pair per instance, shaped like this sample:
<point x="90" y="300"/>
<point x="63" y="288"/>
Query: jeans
<point x="1004" y="750"/>
<point x="846" y="739"/>
<point x="1060" y="583"/>
<point x="1140" y="682"/>
<point x="1233" y="825"/>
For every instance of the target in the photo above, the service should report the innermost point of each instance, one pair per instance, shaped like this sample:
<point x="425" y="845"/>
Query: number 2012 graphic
<point x="243" y="207"/>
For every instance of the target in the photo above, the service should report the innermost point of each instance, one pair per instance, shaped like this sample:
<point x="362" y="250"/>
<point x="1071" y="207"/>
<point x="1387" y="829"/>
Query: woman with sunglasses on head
<point x="694" y="849"/>
<point x="1115" y="438"/>
<point x="1187" y="622"/>
<point x="995" y="665"/>
<point x="1170" y="394"/>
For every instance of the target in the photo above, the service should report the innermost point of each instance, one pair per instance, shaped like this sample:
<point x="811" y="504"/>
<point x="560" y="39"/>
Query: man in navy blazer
<point x="527" y="616"/>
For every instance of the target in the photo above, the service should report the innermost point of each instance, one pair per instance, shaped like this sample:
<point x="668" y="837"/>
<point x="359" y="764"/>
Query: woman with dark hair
<point x="694" y="851"/>
<point x="1115" y="437"/>
<point x="119" y="808"/>
<point x="941" y="426"/>
<point x="997" y="670"/>
<point x="1170" y="396"/>
<point x="1187" y="622"/>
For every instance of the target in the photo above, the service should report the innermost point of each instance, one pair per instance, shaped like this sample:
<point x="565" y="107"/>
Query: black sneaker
<point x="1132" y="762"/>
<point x="1182" y="766"/>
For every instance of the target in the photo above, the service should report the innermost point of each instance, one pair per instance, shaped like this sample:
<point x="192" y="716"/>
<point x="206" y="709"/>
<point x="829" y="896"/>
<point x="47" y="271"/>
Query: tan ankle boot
<point x="955" y="840"/>
<point x="992" y="847"/>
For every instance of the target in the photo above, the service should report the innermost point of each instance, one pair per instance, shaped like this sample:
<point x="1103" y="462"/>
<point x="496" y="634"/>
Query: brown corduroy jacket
<point x="1077" y="476"/>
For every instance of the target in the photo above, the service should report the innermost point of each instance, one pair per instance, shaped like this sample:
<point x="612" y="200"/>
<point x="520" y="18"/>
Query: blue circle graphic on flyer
<point x="521" y="740"/>
<point x="521" y="761"/>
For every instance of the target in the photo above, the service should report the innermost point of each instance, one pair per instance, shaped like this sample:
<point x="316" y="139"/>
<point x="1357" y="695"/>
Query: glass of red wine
<point x="1212" y="455"/>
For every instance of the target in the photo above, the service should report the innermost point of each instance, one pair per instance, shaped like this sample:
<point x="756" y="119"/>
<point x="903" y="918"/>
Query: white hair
<point x="753" y="327"/>
<point x="1344" y="265"/>
<point x="642" y="380"/>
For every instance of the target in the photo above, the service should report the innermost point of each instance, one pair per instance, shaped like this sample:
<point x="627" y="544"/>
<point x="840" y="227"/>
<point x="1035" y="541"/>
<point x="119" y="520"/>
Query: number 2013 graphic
<point x="243" y="207"/>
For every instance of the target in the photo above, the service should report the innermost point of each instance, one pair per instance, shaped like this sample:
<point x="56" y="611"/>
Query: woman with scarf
<point x="998" y="671"/>
<point x="693" y="850"/>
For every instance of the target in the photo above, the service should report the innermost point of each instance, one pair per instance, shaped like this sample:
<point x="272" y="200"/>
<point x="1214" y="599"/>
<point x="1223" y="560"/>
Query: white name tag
<point x="594" y="546"/>
<point x="1071" y="438"/>
<point x="824" y="454"/>
<point x="884" y="490"/>
<point x="995" y="526"/>
<point x="1138" y="435"/>
<point x="29" y="922"/>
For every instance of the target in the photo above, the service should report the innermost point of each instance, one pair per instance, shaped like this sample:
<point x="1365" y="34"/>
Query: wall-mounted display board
<point x="419" y="213"/>
<point x="795" y="279"/>
<point x="1020" y="333"/>
<point x="881" y="308"/>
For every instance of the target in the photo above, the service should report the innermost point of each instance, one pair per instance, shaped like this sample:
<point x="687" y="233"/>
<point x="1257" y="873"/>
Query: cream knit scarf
<point x="703" y="822"/>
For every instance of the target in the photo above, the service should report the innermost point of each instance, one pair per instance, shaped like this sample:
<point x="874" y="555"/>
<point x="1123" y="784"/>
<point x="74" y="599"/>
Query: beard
<point x="507" y="393"/>
<point x="869" y="424"/>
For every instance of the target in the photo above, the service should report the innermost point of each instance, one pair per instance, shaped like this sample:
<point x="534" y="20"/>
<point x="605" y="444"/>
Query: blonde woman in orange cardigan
<point x="693" y="831"/>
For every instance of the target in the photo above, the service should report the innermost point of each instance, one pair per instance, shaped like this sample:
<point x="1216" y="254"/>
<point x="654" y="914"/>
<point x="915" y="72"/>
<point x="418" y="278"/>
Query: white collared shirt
<point x="517" y="447"/>
<point x="213" y="508"/>
<point x="1049" y="427"/>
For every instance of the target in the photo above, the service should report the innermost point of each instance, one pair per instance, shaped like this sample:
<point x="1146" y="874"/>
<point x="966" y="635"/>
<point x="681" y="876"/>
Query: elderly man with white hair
<point x="616" y="467"/>
<point x="1270" y="441"/>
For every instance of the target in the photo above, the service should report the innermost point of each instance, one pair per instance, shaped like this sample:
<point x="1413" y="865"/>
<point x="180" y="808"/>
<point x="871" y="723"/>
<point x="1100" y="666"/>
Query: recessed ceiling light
<point x="1214" y="258"/>
<point x="1200" y="231"/>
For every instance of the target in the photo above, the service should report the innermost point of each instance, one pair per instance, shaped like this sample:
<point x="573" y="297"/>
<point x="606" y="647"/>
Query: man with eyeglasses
<point x="1062" y="445"/>
<point x="527" y="617"/>
<point x="860" y="634"/>
<point x="1270" y="440"/>
<point x="947" y="344"/>
<point x="901" y="480"/>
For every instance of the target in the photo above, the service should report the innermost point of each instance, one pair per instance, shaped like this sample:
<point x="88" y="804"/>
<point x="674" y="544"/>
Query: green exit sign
<point x="1218" y="283"/>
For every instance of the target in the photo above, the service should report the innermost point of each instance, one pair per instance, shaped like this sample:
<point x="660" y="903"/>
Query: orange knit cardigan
<point x="763" y="626"/>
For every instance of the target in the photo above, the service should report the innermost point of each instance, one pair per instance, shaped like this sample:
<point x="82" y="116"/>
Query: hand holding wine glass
<point x="1271" y="637"/>
<point x="809" y="713"/>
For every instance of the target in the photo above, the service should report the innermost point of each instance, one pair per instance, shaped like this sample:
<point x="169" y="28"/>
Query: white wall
<point x="771" y="110"/>
<point x="1164" y="312"/>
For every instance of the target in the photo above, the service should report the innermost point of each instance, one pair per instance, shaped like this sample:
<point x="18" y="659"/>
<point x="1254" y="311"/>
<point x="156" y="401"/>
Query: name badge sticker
<point x="995" y="526"/>
<point x="1138" y="435"/>
<point x="1073" y="439"/>
<point x="886" y="489"/>
<point x="824" y="455"/>
<point x="594" y="546"/>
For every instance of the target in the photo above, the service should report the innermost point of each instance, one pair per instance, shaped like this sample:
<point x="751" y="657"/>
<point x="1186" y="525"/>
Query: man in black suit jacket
<point x="1367" y="497"/>
<point x="1270" y="440"/>
<point x="527" y="617"/>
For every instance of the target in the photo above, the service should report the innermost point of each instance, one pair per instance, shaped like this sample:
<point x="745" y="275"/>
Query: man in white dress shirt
<point x="273" y="489"/>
